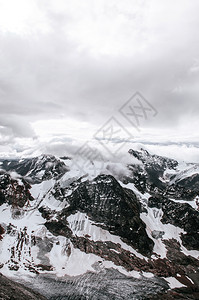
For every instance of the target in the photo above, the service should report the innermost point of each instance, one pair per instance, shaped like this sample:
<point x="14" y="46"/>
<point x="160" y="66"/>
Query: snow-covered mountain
<point x="36" y="169"/>
<point x="101" y="235"/>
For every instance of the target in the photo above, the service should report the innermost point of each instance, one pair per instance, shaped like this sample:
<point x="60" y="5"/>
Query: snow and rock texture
<point x="98" y="236"/>
<point x="114" y="208"/>
<point x="164" y="176"/>
<point x="13" y="191"/>
<point x="15" y="291"/>
<point x="101" y="285"/>
<point x="37" y="169"/>
<point x="181" y="215"/>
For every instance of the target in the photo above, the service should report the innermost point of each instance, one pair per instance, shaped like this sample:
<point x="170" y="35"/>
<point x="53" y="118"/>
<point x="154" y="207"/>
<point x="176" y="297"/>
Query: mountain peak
<point x="153" y="159"/>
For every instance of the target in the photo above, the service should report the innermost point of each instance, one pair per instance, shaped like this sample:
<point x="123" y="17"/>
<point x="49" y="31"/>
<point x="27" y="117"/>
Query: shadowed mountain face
<point x="115" y="209"/>
<point x="14" y="192"/>
<point x="147" y="175"/>
<point x="186" y="188"/>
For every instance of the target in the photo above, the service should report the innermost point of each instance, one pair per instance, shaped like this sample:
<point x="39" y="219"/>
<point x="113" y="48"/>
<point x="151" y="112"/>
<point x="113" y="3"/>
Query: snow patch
<point x="174" y="283"/>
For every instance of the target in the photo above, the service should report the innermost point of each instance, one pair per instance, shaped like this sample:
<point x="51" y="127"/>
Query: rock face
<point x="115" y="209"/>
<point x="156" y="162"/>
<point x="185" y="188"/>
<point x="177" y="293"/>
<point x="150" y="176"/>
<point x="15" y="291"/>
<point x="1" y="232"/>
<point x="147" y="175"/>
<point x="14" y="192"/>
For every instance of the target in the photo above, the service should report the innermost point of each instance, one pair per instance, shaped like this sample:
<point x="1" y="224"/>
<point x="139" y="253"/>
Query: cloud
<point x="62" y="59"/>
<point x="15" y="126"/>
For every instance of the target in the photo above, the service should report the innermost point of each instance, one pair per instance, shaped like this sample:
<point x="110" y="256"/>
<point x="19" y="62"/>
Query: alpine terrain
<point x="67" y="233"/>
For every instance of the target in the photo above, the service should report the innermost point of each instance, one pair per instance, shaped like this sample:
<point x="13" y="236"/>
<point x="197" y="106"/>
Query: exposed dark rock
<point x="65" y="157"/>
<point x="190" y="240"/>
<point x="115" y="209"/>
<point x="187" y="263"/>
<point x="190" y="293"/>
<point x="187" y="188"/>
<point x="147" y="175"/>
<point x="156" y="201"/>
<point x="2" y="231"/>
<point x="60" y="193"/>
<point x="58" y="228"/>
<point x="121" y="257"/>
<point x="158" y="162"/>
<point x="44" y="267"/>
<point x="2" y="198"/>
<point x="12" y="192"/>
<point x="46" y="212"/>
<point x="157" y="234"/>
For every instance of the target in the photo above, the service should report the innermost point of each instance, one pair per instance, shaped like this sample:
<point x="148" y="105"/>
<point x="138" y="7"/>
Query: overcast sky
<point x="66" y="67"/>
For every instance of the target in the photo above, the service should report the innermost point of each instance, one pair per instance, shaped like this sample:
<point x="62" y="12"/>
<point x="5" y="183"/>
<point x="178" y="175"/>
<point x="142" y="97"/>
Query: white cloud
<point x="22" y="17"/>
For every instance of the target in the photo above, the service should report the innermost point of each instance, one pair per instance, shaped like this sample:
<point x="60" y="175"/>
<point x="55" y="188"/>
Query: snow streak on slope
<point x="82" y="226"/>
<point x="18" y="250"/>
<point x="152" y="219"/>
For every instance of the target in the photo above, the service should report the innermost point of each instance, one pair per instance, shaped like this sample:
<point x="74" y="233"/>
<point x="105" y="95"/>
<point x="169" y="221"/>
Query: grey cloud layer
<point x="57" y="73"/>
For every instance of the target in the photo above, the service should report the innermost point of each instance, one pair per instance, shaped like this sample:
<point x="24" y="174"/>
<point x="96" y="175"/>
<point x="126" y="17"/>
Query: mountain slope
<point x="164" y="176"/>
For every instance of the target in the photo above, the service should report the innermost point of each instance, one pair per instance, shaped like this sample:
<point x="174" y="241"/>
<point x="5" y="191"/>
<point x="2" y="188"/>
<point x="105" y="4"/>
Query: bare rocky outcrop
<point x="14" y="192"/>
<point x="114" y="208"/>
